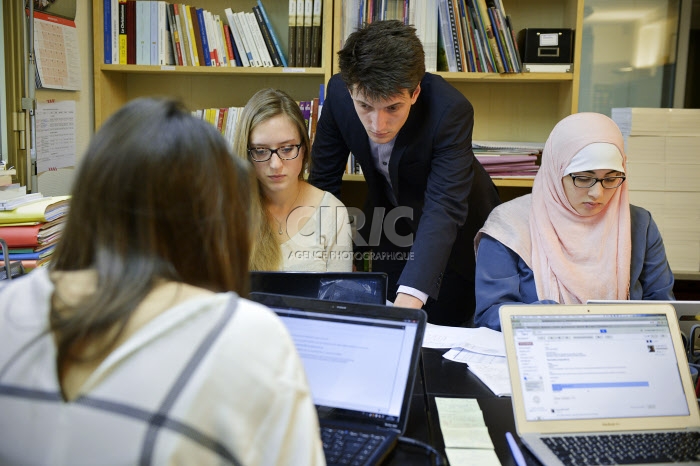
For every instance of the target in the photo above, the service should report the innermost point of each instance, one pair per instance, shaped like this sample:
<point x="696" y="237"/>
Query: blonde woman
<point x="307" y="229"/>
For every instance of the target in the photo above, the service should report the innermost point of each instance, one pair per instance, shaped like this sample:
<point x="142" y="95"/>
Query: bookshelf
<point x="204" y="87"/>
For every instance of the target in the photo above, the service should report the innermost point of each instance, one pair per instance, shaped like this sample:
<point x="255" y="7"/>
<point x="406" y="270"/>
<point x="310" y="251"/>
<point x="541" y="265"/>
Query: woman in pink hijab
<point x="576" y="237"/>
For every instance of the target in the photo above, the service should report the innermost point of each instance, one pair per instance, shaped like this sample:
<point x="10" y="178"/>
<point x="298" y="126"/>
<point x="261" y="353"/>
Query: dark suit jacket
<point x="432" y="168"/>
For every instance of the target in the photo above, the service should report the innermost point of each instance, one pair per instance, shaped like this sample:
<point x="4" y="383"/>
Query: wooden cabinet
<point x="202" y="86"/>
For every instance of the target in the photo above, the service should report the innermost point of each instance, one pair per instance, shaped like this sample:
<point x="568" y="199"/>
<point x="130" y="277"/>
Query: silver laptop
<point x="361" y="362"/>
<point x="598" y="374"/>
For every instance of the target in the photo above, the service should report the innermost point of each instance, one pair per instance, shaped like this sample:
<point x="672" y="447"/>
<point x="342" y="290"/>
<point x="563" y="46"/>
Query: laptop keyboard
<point x="626" y="448"/>
<point x="343" y="446"/>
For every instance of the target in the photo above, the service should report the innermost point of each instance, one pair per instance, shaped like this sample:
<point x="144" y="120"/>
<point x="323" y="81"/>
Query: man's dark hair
<point x="382" y="59"/>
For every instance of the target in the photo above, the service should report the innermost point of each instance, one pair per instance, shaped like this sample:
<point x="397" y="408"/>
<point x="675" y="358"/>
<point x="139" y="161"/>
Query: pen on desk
<point x="515" y="450"/>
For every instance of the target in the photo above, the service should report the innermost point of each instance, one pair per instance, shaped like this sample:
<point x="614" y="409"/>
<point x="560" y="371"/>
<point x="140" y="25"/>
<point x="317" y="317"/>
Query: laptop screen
<point x="360" y="359"/>
<point x="356" y="287"/>
<point x="567" y="372"/>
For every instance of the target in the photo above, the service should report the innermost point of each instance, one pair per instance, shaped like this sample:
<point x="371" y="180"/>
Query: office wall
<point x="59" y="182"/>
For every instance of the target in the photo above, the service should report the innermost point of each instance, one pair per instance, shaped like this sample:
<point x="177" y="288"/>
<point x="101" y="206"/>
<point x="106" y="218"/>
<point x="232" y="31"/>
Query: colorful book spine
<point x="248" y="41"/>
<point x="190" y="14"/>
<point x="243" y="54"/>
<point x="208" y="27"/>
<point x="229" y="45"/>
<point x="275" y="41"/>
<point x="292" y="33"/>
<point x="155" y="32"/>
<point x="114" y="4"/>
<point x="491" y="38"/>
<point x="308" y="26"/>
<point x="299" y="45"/>
<point x="131" y="41"/>
<point x="143" y="33"/>
<point x="107" y="25"/>
<point x="258" y="39"/>
<point x="122" y="33"/>
<point x="269" y="44"/>
<point x="181" y="20"/>
<point x="316" y="17"/>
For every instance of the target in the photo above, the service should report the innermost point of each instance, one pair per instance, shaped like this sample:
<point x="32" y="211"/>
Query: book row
<point x="477" y="36"/>
<point x="457" y="35"/>
<point x="154" y="32"/>
<point x="226" y="118"/>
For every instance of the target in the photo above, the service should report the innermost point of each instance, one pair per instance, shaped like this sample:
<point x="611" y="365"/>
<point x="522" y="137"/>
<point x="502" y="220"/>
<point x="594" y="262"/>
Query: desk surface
<point x="440" y="377"/>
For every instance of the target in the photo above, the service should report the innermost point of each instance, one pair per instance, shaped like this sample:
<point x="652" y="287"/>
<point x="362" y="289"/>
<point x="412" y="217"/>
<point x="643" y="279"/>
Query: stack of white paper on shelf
<point x="663" y="168"/>
<point x="507" y="159"/>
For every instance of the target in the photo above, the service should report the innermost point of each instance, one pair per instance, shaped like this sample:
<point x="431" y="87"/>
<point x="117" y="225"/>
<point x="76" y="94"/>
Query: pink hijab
<point x="573" y="258"/>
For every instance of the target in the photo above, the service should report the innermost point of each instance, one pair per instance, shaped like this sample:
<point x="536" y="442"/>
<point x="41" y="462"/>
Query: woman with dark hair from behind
<point x="135" y="346"/>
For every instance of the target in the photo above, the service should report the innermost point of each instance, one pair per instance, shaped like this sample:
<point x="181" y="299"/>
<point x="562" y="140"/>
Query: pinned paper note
<point x="55" y="135"/>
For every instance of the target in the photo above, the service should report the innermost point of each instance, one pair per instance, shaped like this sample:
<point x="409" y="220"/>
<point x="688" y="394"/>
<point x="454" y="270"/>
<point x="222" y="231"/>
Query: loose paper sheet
<point x="479" y="340"/>
<point x="55" y="135"/>
<point x="467" y="440"/>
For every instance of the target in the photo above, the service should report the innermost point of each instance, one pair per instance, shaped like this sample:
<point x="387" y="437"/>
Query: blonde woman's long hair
<point x="265" y="104"/>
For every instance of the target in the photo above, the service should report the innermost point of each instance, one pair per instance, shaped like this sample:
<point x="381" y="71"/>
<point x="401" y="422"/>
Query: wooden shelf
<point x="513" y="182"/>
<point x="506" y="77"/>
<point x="212" y="70"/>
<point x="199" y="87"/>
<point x="353" y="177"/>
<point x="686" y="275"/>
<point x="503" y="182"/>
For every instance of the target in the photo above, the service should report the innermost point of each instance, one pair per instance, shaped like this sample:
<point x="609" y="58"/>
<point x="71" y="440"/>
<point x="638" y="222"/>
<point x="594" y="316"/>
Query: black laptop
<point x="355" y="287"/>
<point x="361" y="362"/>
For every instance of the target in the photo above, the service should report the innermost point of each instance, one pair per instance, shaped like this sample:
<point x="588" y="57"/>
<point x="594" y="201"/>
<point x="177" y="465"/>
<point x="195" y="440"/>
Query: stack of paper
<point x="504" y="159"/>
<point x="467" y="439"/>
<point x="31" y="231"/>
<point x="482" y="349"/>
<point x="18" y="199"/>
<point x="663" y="166"/>
<point x="8" y="189"/>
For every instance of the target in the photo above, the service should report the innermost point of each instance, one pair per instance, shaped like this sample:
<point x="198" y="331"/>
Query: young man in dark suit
<point x="411" y="133"/>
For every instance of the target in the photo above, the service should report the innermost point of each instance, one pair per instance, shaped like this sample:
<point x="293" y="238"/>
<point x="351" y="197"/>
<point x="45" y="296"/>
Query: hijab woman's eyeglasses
<point x="611" y="182"/>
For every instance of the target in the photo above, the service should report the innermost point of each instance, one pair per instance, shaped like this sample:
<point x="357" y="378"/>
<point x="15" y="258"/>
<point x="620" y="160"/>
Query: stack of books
<point x="32" y="230"/>
<point x="663" y="166"/>
<point x="504" y="159"/>
<point x="8" y="189"/>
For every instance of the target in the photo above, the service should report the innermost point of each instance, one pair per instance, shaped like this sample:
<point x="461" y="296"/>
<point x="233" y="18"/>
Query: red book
<point x="229" y="45"/>
<point x="31" y="236"/>
<point x="29" y="264"/>
<point x="222" y="118"/>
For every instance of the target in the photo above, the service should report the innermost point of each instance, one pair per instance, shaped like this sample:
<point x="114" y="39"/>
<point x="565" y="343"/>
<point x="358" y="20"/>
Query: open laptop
<point x="361" y="362"/>
<point x="688" y="312"/>
<point x="599" y="373"/>
<point x="356" y="287"/>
